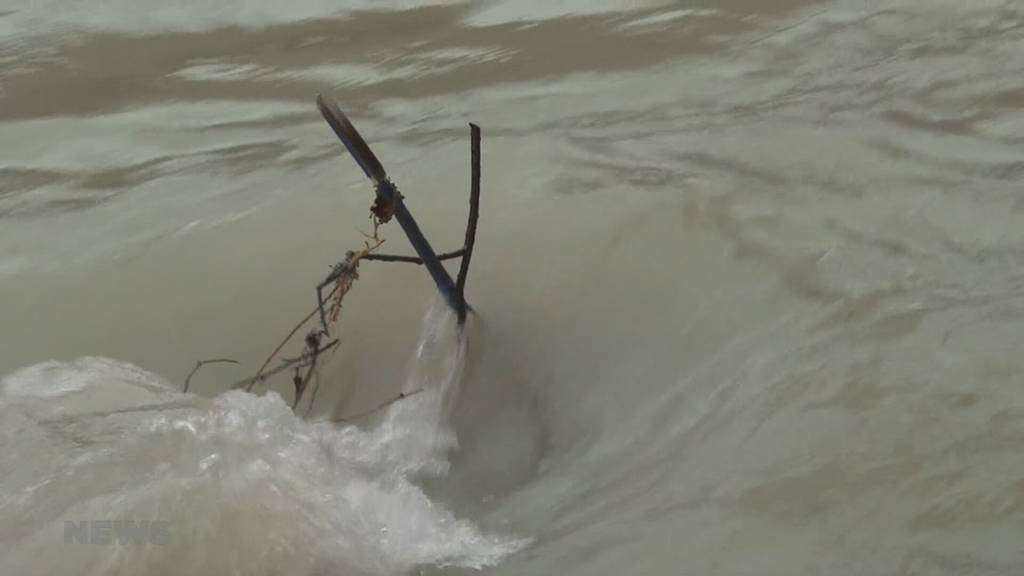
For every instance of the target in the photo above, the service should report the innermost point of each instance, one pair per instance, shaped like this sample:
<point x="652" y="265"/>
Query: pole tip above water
<point x="351" y="138"/>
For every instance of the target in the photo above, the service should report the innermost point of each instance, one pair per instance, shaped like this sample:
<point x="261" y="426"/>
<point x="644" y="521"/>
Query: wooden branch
<point x="413" y="259"/>
<point x="262" y="376"/>
<point x="201" y="363"/>
<point x="379" y="407"/>
<point x="474" y="216"/>
<point x="260" y="373"/>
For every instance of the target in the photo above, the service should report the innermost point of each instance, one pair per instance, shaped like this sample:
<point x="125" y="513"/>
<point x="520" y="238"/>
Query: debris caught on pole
<point x="390" y="196"/>
<point x="388" y="203"/>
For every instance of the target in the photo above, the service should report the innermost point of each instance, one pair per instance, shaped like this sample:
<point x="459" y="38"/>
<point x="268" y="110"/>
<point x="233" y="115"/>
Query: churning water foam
<point x="242" y="485"/>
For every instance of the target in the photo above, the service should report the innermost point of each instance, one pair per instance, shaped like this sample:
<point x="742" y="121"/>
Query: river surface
<point x="749" y="281"/>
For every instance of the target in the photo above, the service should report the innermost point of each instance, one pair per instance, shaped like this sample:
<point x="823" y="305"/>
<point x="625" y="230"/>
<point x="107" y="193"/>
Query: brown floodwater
<point x="749" y="281"/>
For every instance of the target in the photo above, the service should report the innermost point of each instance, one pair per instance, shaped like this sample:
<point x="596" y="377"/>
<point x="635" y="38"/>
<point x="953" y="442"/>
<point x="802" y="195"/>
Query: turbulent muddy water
<point x="749" y="275"/>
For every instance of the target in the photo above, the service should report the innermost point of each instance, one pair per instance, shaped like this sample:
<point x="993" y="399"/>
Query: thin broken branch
<point x="286" y="364"/>
<point x="201" y="363"/>
<point x="342" y="275"/>
<point x="413" y="259"/>
<point x="301" y="381"/>
<point x="378" y="408"/>
<point x="312" y="398"/>
<point x="259" y="377"/>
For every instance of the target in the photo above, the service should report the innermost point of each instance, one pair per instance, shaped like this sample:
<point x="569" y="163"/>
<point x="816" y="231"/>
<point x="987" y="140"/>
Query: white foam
<point x="244" y="485"/>
<point x="53" y="378"/>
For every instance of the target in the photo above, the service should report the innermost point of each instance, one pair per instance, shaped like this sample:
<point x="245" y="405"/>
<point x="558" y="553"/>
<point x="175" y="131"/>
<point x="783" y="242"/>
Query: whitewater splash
<point x="241" y="484"/>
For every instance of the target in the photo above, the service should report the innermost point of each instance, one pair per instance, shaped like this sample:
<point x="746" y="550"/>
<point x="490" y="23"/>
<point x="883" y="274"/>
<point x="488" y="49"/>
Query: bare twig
<point x="286" y="364"/>
<point x="343" y="274"/>
<point x="302" y="380"/>
<point x="259" y="373"/>
<point x="378" y="408"/>
<point x="201" y="363"/>
<point x="312" y="395"/>
<point x="413" y="259"/>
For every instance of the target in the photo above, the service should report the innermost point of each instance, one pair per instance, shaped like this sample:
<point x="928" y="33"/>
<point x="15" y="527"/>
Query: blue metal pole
<point x="387" y="191"/>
